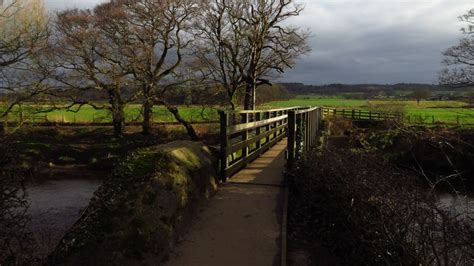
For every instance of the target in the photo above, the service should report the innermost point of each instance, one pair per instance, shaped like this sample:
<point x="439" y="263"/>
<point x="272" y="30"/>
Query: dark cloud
<point x="377" y="41"/>
<point x="367" y="41"/>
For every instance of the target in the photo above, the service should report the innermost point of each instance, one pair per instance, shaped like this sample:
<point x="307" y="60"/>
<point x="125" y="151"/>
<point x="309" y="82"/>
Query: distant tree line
<point x="300" y="88"/>
<point x="155" y="52"/>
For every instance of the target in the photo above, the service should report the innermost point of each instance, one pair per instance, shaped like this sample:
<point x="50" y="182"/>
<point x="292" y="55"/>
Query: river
<point x="55" y="205"/>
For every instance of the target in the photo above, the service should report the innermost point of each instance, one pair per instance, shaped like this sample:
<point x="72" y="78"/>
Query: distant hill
<point x="300" y="88"/>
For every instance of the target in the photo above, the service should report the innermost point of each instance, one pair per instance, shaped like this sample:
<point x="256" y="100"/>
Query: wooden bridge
<point x="245" y="135"/>
<point x="245" y="223"/>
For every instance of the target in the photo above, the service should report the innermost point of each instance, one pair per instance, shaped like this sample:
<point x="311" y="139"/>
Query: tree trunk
<point x="189" y="128"/>
<point x="250" y="97"/>
<point x="118" y="114"/>
<point x="147" y="113"/>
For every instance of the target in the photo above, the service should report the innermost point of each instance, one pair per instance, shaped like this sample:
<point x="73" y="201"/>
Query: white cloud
<point x="59" y="4"/>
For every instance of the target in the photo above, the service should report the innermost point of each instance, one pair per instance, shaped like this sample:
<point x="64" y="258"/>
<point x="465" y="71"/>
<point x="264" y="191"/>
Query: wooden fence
<point x="362" y="114"/>
<point x="245" y="135"/>
<point x="304" y="130"/>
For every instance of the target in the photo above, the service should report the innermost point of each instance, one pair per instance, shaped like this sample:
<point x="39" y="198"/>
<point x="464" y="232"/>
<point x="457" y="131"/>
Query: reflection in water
<point x="56" y="204"/>
<point x="457" y="204"/>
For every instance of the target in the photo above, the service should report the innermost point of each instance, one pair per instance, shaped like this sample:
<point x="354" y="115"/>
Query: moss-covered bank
<point x="135" y="216"/>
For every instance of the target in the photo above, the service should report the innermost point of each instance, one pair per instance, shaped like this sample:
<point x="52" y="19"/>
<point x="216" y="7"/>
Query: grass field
<point x="87" y="114"/>
<point x="450" y="112"/>
<point x="441" y="111"/>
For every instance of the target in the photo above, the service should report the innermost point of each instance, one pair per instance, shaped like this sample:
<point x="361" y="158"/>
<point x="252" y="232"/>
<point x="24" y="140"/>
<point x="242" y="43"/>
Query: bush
<point x="370" y="212"/>
<point x="13" y="207"/>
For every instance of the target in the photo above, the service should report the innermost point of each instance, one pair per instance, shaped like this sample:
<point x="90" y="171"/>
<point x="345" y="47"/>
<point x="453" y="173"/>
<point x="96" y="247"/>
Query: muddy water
<point x="56" y="204"/>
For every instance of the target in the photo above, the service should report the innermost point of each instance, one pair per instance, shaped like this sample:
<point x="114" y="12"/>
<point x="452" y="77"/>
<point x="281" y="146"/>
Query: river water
<point x="55" y="205"/>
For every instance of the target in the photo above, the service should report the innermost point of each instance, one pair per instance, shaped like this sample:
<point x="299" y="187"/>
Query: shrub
<point x="370" y="212"/>
<point x="13" y="206"/>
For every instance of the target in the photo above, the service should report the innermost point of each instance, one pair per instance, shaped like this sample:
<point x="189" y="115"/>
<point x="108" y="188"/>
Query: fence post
<point x="258" y="130"/>
<point x="267" y="127"/>
<point x="245" y="134"/>
<point x="291" y="137"/>
<point x="353" y="114"/>
<point x="433" y="120"/>
<point x="224" y="121"/>
<point x="370" y="115"/>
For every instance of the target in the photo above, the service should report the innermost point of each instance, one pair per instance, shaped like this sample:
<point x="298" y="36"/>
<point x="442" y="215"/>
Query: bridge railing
<point x="304" y="131"/>
<point x="357" y="114"/>
<point x="245" y="135"/>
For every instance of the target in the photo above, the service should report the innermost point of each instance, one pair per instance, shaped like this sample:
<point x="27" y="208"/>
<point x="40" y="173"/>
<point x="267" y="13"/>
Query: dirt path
<point x="242" y="223"/>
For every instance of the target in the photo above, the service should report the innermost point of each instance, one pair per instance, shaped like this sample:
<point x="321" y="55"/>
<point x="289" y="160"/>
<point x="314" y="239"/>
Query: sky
<point x="367" y="41"/>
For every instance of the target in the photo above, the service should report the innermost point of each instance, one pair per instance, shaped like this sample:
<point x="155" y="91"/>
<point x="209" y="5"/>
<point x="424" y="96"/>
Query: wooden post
<point x="353" y="114"/>
<point x="267" y="127"/>
<point x="258" y="130"/>
<point x="245" y="135"/>
<point x="433" y="120"/>
<point x="224" y="121"/>
<point x="370" y="115"/>
<point x="291" y="137"/>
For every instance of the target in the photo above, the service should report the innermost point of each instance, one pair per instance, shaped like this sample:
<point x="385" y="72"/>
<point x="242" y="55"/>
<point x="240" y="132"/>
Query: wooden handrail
<point x="247" y="134"/>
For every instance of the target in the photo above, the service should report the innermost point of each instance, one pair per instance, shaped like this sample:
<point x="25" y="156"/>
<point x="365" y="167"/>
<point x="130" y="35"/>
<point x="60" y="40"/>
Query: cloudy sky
<point x="368" y="41"/>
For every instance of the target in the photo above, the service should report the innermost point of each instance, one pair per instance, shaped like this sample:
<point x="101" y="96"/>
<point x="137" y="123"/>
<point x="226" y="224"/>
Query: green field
<point x="450" y="112"/>
<point x="442" y="111"/>
<point x="87" y="114"/>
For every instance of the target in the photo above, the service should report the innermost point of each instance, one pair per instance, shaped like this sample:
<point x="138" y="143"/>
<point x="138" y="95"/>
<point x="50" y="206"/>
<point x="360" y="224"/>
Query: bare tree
<point x="153" y="36"/>
<point x="24" y="33"/>
<point x="217" y="26"/>
<point x="459" y="59"/>
<point x="87" y="60"/>
<point x="250" y="41"/>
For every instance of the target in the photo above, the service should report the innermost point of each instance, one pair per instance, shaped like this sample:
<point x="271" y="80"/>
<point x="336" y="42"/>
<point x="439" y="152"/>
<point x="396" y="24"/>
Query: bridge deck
<point x="241" y="224"/>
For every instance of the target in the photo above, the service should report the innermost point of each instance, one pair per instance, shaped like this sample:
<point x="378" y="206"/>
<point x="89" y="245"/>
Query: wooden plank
<point x="291" y="137"/>
<point x="252" y="125"/>
<point x="237" y="146"/>
<point x="224" y="121"/>
<point x="259" y="111"/>
<point x="234" y="168"/>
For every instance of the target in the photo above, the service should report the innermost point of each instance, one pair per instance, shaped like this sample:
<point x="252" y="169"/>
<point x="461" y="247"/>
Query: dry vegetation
<point x="376" y="200"/>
